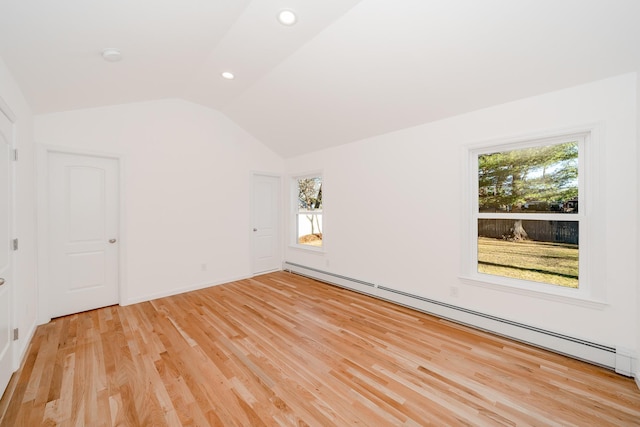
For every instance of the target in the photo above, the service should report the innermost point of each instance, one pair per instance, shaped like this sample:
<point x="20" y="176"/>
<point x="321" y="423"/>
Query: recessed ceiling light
<point x="287" y="17"/>
<point x="112" y="55"/>
<point x="228" y="75"/>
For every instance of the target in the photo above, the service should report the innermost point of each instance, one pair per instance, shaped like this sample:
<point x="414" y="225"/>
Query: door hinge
<point x="14" y="244"/>
<point x="15" y="334"/>
<point x="15" y="155"/>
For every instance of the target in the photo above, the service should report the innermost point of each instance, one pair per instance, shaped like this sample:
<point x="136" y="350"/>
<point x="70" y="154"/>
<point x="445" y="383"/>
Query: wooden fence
<point x="540" y="230"/>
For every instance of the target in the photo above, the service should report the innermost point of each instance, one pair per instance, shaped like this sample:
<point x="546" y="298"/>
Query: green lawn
<point x="553" y="263"/>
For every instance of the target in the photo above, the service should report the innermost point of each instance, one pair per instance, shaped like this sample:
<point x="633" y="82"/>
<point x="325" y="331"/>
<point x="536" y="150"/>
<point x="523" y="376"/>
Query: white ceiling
<point x="349" y="69"/>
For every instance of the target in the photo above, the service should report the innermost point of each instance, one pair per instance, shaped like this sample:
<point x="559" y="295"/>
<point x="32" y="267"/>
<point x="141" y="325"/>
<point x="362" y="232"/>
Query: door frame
<point x="14" y="321"/>
<point x="280" y="251"/>
<point x="42" y="172"/>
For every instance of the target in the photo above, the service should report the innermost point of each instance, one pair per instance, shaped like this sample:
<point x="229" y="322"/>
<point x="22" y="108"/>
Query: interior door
<point x="6" y="198"/>
<point x="83" y="232"/>
<point x="266" y="216"/>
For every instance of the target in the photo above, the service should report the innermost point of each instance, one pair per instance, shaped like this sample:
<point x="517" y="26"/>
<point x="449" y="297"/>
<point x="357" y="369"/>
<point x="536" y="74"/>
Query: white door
<point x="5" y="251"/>
<point x="266" y="216"/>
<point x="83" y="232"/>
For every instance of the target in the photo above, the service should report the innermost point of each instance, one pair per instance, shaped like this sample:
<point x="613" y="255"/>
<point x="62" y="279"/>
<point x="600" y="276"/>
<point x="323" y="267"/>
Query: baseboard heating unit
<point x="620" y="360"/>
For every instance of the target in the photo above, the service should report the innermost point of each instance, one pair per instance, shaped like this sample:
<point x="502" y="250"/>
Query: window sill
<point x="560" y="295"/>
<point x="309" y="248"/>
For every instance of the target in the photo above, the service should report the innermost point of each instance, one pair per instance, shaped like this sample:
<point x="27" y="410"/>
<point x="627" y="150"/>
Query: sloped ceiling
<point x="348" y="69"/>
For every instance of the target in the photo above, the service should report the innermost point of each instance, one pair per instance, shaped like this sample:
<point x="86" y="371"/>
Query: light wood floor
<point x="281" y="349"/>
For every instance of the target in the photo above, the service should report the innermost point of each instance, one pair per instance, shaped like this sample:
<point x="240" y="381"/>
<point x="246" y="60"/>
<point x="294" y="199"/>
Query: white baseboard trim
<point x="181" y="290"/>
<point x="587" y="351"/>
<point x="266" y="272"/>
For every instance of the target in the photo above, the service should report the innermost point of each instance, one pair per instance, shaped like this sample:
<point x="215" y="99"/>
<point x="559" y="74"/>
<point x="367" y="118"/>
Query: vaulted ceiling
<point x="348" y="69"/>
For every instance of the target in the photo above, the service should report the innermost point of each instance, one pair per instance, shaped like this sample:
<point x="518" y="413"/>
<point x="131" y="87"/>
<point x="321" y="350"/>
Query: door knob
<point x="112" y="240"/>
<point x="255" y="229"/>
<point x="1" y="281"/>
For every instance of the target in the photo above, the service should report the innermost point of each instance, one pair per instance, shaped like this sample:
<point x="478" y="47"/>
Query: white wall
<point x="382" y="183"/>
<point x="187" y="173"/>
<point x="637" y="371"/>
<point x="25" y="214"/>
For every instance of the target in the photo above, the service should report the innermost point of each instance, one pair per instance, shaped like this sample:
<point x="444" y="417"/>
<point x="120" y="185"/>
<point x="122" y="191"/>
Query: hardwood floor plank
<point x="284" y="350"/>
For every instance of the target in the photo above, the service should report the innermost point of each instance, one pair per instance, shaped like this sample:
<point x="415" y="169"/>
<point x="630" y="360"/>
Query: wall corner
<point x="626" y="362"/>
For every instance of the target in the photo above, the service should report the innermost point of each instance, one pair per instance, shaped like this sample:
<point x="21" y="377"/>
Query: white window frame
<point x="295" y="214"/>
<point x="591" y="289"/>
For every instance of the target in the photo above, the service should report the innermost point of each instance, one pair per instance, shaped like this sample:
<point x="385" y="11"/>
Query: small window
<point x="308" y="211"/>
<point x="526" y="211"/>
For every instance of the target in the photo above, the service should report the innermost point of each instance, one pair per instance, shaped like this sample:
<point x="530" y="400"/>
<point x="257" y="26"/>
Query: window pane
<point x="309" y="229"/>
<point x="310" y="194"/>
<point x="309" y="216"/>
<point x="534" y="250"/>
<point x="530" y="180"/>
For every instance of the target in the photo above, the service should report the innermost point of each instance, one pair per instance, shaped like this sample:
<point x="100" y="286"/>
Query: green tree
<point x="536" y="176"/>
<point x="513" y="178"/>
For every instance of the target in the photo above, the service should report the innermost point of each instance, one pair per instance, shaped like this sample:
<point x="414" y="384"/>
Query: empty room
<point x="319" y="213"/>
